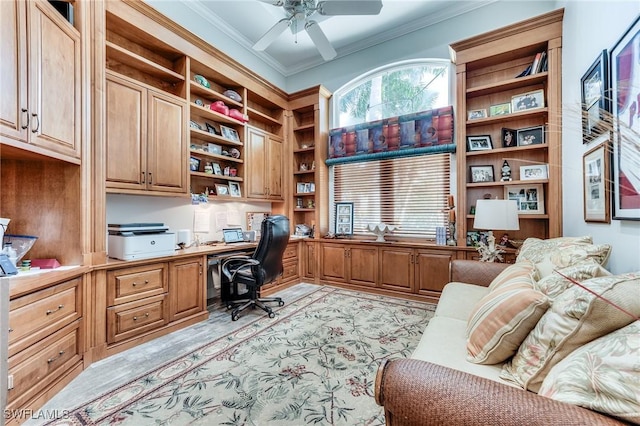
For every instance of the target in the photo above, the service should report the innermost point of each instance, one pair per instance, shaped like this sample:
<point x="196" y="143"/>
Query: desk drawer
<point x="129" y="284"/>
<point x="290" y="271"/>
<point x="135" y="318"/>
<point x="36" y="367"/>
<point x="35" y="316"/>
<point x="291" y="252"/>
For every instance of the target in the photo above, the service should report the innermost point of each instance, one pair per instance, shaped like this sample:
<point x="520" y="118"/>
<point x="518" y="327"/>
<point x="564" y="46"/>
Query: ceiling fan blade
<point x="349" y="7"/>
<point x="274" y="2"/>
<point x="271" y="35"/>
<point x="320" y="40"/>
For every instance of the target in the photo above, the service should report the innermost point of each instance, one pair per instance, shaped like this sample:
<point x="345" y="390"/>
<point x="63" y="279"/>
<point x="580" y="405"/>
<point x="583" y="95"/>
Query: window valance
<point x="428" y="131"/>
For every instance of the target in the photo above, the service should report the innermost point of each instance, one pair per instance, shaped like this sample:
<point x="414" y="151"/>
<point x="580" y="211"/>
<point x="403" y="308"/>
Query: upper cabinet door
<point x="256" y="151"/>
<point x="167" y="143"/>
<point x="275" y="165"/>
<point x="13" y="73"/>
<point x="54" y="81"/>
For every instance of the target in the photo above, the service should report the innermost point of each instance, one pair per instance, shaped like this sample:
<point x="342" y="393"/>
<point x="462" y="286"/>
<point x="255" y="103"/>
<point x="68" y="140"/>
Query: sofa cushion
<point x="560" y="252"/>
<point x="603" y="375"/>
<point x="502" y="319"/>
<point x="457" y="300"/>
<point x="525" y="268"/>
<point x="554" y="284"/>
<point x="575" y="318"/>
<point x="444" y="343"/>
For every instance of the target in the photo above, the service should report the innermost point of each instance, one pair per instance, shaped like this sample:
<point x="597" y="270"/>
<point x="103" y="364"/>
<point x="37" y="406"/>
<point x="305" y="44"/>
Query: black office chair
<point x="263" y="267"/>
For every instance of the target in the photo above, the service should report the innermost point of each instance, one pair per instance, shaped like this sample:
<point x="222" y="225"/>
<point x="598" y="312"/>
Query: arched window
<point x="409" y="192"/>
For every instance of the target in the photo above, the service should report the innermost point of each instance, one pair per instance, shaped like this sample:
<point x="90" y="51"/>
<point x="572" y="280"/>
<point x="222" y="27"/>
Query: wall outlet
<point x="10" y="382"/>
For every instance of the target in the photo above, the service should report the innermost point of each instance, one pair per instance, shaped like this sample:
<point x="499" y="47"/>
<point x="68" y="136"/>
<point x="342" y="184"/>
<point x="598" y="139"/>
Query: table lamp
<point x="491" y="215"/>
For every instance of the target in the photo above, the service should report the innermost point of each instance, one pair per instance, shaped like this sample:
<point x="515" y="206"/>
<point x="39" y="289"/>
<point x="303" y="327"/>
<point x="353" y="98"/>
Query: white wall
<point x="590" y="27"/>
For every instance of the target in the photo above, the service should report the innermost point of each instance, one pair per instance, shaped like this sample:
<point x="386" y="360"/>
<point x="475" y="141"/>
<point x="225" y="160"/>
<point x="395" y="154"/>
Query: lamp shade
<point x="496" y="214"/>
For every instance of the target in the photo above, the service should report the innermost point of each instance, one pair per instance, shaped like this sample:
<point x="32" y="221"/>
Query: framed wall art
<point x="595" y="100"/>
<point x="625" y="90"/>
<point x="595" y="170"/>
<point x="344" y="219"/>
<point x="529" y="198"/>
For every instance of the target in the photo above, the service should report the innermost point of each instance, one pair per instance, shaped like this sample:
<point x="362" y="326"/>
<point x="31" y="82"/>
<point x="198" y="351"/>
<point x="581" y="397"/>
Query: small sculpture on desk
<point x="380" y="230"/>
<point x="506" y="172"/>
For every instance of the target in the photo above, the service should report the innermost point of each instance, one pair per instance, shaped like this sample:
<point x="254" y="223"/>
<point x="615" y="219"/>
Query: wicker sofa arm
<point x="474" y="272"/>
<point x="419" y="393"/>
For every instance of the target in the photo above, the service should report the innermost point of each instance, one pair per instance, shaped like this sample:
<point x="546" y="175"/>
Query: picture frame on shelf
<point x="234" y="189"/>
<point x="500" y="109"/>
<point x="479" y="143"/>
<point x="194" y="164"/>
<point x="301" y="188"/>
<point x="529" y="198"/>
<point x="216" y="169"/>
<point x="595" y="100"/>
<point x="595" y="170"/>
<point x="531" y="136"/>
<point x="534" y="172"/>
<point x="475" y="114"/>
<point x="229" y="133"/>
<point x="481" y="174"/>
<point x="195" y="125"/>
<point x="509" y="137"/>
<point x="222" y="189"/>
<point x="344" y="218"/>
<point x="212" y="129"/>
<point x="474" y="238"/>
<point x="624" y="92"/>
<point x="527" y="101"/>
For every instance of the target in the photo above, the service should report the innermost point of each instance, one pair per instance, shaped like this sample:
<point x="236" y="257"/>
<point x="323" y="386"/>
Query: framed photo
<point x="531" y="136"/>
<point x="595" y="99"/>
<point x="526" y="101"/>
<point x="626" y="157"/>
<point x="509" y="138"/>
<point x="474" y="238"/>
<point x="500" y="109"/>
<point x="529" y="198"/>
<point x="234" y="189"/>
<point x="229" y="133"/>
<point x="474" y="114"/>
<point x="222" y="189"/>
<point x="595" y="170"/>
<point x="194" y="164"/>
<point x="534" y="172"/>
<point x="216" y="169"/>
<point x="211" y="129"/>
<point x="344" y="219"/>
<point x="301" y="188"/>
<point x="479" y="143"/>
<point x="481" y="174"/>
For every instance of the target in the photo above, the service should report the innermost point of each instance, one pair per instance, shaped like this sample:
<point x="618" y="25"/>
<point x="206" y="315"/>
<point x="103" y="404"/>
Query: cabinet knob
<point x="145" y="315"/>
<point x="36" y="120"/>
<point x="10" y="329"/>
<point x="50" y="311"/>
<point x="143" y="176"/>
<point x="25" y="119"/>
<point x="150" y="178"/>
<point x="50" y="360"/>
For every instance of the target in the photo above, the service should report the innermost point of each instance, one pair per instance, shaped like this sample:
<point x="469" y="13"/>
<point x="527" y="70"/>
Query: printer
<point x="129" y="241"/>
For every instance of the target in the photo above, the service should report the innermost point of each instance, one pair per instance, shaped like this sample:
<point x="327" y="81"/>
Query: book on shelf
<point x="536" y="62"/>
<point x="538" y="65"/>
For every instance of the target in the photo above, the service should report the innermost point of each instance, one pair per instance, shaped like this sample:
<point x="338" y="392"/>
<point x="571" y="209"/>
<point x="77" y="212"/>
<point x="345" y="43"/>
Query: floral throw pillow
<point x="603" y="375"/>
<point x="575" y="318"/>
<point x="554" y="284"/>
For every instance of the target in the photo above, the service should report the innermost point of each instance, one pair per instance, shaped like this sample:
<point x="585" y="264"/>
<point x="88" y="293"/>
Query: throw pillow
<point x="561" y="252"/>
<point x="525" y="269"/>
<point x="603" y="375"/>
<point x="554" y="284"/>
<point x="575" y="318"/>
<point x="502" y="319"/>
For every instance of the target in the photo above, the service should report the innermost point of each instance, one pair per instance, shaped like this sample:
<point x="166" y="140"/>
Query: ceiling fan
<point x="299" y="11"/>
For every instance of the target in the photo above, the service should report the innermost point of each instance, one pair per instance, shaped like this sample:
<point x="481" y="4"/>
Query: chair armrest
<point x="233" y="264"/>
<point x="474" y="272"/>
<point x="420" y="393"/>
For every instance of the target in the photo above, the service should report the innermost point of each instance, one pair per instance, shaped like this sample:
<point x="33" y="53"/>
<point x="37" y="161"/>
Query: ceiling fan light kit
<point x="301" y="10"/>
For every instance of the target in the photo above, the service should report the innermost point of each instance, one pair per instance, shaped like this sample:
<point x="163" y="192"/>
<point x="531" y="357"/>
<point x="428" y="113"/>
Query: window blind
<point x="409" y="192"/>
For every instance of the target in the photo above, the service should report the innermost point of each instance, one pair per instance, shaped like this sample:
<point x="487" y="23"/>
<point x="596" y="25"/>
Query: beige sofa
<point x="439" y="385"/>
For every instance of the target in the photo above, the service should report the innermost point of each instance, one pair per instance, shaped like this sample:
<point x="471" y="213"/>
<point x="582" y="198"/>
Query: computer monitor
<point x="232" y="235"/>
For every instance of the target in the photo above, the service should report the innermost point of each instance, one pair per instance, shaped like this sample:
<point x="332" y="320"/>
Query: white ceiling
<point x="246" y="21"/>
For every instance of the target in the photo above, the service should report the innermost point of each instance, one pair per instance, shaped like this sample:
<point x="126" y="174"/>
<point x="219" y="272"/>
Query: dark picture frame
<point x="509" y="138"/>
<point x="479" y="143"/>
<point x="531" y="136"/>
<point x="194" y="164"/>
<point x="481" y="174"/>
<point x="594" y="86"/>
<point x="344" y="218"/>
<point x="596" y="183"/>
<point x="624" y="95"/>
<point x="212" y="129"/>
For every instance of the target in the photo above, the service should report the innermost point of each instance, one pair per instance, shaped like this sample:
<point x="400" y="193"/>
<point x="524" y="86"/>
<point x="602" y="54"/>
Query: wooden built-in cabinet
<point x="264" y="158"/>
<point x="349" y="264"/>
<point x="145" y="138"/>
<point x="40" y="106"/>
<point x="487" y="70"/>
<point x="290" y="270"/>
<point x="187" y="288"/>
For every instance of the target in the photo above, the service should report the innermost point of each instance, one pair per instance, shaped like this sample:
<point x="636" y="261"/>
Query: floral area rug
<point x="315" y="364"/>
